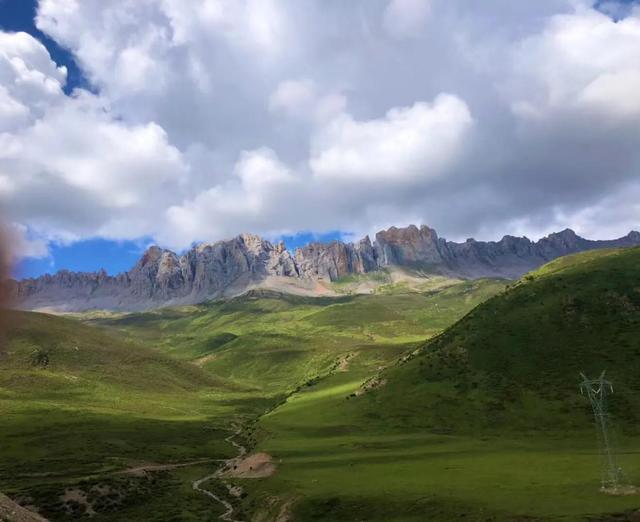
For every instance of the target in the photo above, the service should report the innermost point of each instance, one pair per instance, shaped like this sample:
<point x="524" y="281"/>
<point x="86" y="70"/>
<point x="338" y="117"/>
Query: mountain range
<point x="210" y="270"/>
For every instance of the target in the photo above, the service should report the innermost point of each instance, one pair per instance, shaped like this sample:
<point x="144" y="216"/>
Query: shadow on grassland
<point x="43" y="443"/>
<point x="368" y="508"/>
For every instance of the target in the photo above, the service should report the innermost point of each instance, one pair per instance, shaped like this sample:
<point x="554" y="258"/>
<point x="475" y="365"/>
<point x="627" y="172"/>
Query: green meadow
<point x="448" y="401"/>
<point x="338" y="461"/>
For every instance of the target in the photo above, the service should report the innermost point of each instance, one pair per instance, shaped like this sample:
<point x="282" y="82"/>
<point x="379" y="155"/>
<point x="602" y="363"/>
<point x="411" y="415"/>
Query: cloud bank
<point x="276" y="117"/>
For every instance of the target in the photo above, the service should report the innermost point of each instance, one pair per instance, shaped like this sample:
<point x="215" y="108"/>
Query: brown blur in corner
<point x="6" y="260"/>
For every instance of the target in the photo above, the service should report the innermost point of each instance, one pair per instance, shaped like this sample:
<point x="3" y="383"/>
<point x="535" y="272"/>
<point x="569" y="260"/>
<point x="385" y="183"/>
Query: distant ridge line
<point x="229" y="267"/>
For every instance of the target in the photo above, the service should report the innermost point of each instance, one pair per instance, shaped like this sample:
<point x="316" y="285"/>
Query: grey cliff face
<point x="208" y="270"/>
<point x="336" y="259"/>
<point x="160" y="277"/>
<point x="411" y="246"/>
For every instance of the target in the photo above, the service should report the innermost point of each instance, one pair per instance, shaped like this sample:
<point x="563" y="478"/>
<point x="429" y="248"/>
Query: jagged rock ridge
<point x="208" y="270"/>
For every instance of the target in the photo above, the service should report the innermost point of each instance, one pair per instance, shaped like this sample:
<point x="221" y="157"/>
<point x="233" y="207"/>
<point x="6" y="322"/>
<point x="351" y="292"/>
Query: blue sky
<point x="90" y="255"/>
<point x="201" y="124"/>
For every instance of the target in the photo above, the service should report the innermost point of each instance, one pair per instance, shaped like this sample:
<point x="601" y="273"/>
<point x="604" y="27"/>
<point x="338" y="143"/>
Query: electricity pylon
<point x="597" y="390"/>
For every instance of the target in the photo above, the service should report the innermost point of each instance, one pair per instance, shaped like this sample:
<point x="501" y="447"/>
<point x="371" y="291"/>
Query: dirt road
<point x="228" y="515"/>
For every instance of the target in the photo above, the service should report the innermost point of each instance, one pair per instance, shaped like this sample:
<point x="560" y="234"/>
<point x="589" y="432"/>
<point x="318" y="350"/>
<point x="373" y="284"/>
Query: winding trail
<point x="150" y="468"/>
<point x="197" y="484"/>
<point x="227" y="516"/>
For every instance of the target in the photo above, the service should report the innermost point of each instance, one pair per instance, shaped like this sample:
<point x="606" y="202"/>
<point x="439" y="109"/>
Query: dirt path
<point x="197" y="484"/>
<point x="140" y="471"/>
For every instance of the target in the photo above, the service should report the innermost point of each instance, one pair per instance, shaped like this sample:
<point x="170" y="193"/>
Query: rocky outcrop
<point x="411" y="246"/>
<point x="336" y="259"/>
<point x="162" y="278"/>
<point x="208" y="270"/>
<point x="511" y="257"/>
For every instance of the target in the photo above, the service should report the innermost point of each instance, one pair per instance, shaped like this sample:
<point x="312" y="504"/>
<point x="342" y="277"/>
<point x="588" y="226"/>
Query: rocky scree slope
<point x="209" y="270"/>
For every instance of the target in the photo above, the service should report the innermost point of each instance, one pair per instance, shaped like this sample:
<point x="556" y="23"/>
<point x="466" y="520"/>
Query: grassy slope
<point x="524" y="350"/>
<point x="274" y="342"/>
<point x="80" y="402"/>
<point x="486" y="421"/>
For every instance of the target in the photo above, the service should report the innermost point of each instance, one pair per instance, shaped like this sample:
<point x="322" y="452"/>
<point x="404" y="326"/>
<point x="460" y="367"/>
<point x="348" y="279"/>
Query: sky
<point x="125" y="123"/>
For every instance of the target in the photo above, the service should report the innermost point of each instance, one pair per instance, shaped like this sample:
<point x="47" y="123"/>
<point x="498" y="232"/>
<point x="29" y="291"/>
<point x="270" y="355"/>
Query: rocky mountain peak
<point x="408" y="246"/>
<point x="207" y="270"/>
<point x="365" y="241"/>
<point x="150" y="256"/>
<point x="567" y="235"/>
<point x="562" y="243"/>
<point x="254" y="243"/>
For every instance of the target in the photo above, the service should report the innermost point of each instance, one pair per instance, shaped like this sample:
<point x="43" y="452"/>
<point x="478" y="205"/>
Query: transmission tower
<point x="597" y="390"/>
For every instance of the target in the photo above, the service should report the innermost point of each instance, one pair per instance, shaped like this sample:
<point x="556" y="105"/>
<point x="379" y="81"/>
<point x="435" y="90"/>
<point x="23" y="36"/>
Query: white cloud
<point x="13" y="114"/>
<point x="255" y="25"/>
<point x="22" y="244"/>
<point x="302" y="99"/>
<point x="29" y="80"/>
<point x="160" y="38"/>
<point x="260" y="187"/>
<point x="133" y="68"/>
<point x="28" y="57"/>
<point x="113" y="170"/>
<point x="329" y="106"/>
<point x="120" y="166"/>
<point x="579" y="61"/>
<point x="224" y="116"/>
<point x="615" y="93"/>
<point x="409" y="143"/>
<point x="406" y="18"/>
<point x="69" y="167"/>
<point x="261" y="169"/>
<point x="293" y="96"/>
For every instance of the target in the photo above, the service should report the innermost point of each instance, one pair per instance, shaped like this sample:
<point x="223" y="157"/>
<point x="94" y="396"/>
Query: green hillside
<point x="60" y="351"/>
<point x="522" y="352"/>
<point x="484" y="422"/>
<point x="273" y="342"/>
<point x="79" y="404"/>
